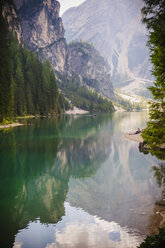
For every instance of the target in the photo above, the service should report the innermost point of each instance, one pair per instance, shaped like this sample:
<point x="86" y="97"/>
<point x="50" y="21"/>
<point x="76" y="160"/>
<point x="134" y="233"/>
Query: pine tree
<point x="6" y="80"/>
<point x="154" y="18"/>
<point x="27" y="86"/>
<point x="19" y="91"/>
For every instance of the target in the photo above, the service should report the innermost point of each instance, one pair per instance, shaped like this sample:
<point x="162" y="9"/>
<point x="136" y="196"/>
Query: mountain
<point x="115" y="29"/>
<point x="43" y="33"/>
<point x="43" y="29"/>
<point x="10" y="14"/>
<point x="85" y="61"/>
<point x="78" y="150"/>
<point x="27" y="86"/>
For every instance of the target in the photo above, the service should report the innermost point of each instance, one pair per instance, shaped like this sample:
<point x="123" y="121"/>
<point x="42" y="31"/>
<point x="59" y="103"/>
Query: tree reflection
<point x="37" y="161"/>
<point x="157" y="219"/>
<point x="159" y="173"/>
<point x="157" y="152"/>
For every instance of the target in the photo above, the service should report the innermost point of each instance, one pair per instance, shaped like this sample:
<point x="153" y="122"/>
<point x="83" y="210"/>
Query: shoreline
<point x="159" y="209"/>
<point x="134" y="137"/>
<point x="11" y="125"/>
<point x="138" y="138"/>
<point x="76" y="111"/>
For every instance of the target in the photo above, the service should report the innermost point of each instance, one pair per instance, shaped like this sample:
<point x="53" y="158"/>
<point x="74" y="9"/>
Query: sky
<point x="66" y="4"/>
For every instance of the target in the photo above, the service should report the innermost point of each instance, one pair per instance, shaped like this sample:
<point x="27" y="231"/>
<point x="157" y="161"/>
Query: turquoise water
<point x="75" y="182"/>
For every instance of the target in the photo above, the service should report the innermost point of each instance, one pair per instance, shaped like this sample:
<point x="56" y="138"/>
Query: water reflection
<point x="157" y="152"/>
<point x="36" y="164"/>
<point x="157" y="219"/>
<point x="26" y="157"/>
<point x="85" y="161"/>
<point x="124" y="183"/>
<point x="159" y="173"/>
<point x="78" y="229"/>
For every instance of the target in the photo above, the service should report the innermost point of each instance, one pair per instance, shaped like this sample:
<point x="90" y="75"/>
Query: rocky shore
<point x="134" y="137"/>
<point x="11" y="125"/>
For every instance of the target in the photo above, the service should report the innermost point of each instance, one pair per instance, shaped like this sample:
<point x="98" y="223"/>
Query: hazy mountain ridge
<point x="115" y="29"/>
<point x="43" y="33"/>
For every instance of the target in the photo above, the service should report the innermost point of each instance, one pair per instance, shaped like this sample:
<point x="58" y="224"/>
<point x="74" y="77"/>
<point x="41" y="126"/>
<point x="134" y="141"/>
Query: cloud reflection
<point x="99" y="233"/>
<point x="17" y="245"/>
<point x="77" y="229"/>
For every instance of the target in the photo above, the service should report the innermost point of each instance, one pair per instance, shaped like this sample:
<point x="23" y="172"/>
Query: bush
<point x="155" y="241"/>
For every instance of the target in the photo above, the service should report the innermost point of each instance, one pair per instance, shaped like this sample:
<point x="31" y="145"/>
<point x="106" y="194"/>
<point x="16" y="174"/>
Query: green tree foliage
<point x="6" y="80"/>
<point x="35" y="88"/>
<point x="86" y="99"/>
<point x="154" y="18"/>
<point x="155" y="241"/>
<point x="127" y="105"/>
<point x="27" y="86"/>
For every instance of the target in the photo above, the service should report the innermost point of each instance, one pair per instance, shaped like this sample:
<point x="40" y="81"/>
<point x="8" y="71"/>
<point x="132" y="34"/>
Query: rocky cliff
<point x="10" y="14"/>
<point x="37" y="24"/>
<point x="43" y="33"/>
<point x="115" y="29"/>
<point x="41" y="23"/>
<point x="43" y="30"/>
<point x="91" y="68"/>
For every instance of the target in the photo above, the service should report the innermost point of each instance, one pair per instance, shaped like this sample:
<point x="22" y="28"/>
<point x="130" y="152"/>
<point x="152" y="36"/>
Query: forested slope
<point x="27" y="86"/>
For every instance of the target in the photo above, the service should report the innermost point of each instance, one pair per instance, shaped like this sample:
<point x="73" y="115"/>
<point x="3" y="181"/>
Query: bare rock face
<point x="56" y="53"/>
<point x="43" y="30"/>
<point x="41" y="23"/>
<point x="85" y="61"/>
<point x="43" y="33"/>
<point x="116" y="30"/>
<point x="11" y="16"/>
<point x="19" y="3"/>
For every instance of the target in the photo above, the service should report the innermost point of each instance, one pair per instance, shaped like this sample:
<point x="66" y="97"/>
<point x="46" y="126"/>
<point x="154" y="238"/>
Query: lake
<point x="76" y="182"/>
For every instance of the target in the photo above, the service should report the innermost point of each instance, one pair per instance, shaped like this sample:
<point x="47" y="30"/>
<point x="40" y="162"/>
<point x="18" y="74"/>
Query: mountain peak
<point x="43" y="33"/>
<point x="116" y="30"/>
<point x="41" y="23"/>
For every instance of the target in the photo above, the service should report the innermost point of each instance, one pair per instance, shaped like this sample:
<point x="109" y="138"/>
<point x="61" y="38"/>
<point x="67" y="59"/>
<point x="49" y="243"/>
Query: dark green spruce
<point x="6" y="79"/>
<point x="155" y="241"/>
<point x="27" y="86"/>
<point x="85" y="98"/>
<point x="154" y="18"/>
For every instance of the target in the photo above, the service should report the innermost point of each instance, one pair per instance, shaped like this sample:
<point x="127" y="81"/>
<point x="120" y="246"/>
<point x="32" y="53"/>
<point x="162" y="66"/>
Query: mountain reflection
<point x="37" y="162"/>
<point x="80" y="164"/>
<point x="123" y="189"/>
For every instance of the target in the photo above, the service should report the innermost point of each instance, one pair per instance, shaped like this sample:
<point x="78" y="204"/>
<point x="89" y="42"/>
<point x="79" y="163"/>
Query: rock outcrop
<point x="85" y="61"/>
<point x="41" y="23"/>
<point x="42" y="30"/>
<point x="116" y="30"/>
<point x="10" y="14"/>
<point x="43" y="33"/>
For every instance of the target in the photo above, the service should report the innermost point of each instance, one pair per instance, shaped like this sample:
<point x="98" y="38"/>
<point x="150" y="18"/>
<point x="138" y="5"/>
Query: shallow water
<point x="76" y="182"/>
